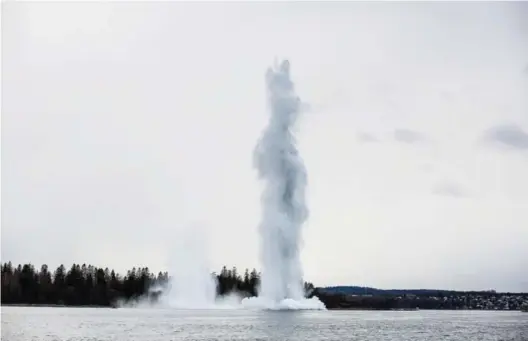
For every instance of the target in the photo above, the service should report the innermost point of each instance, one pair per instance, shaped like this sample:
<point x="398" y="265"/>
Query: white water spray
<point x="283" y="200"/>
<point x="191" y="285"/>
<point x="284" y="211"/>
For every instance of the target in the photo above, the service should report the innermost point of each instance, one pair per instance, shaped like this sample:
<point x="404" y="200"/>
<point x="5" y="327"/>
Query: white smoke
<point x="283" y="201"/>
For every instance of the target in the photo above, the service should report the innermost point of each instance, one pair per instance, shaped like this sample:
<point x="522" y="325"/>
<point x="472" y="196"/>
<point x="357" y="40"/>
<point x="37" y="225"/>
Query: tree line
<point x="79" y="285"/>
<point x="87" y="285"/>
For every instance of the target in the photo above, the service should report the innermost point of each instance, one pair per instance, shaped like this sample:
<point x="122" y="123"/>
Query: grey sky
<point x="123" y="124"/>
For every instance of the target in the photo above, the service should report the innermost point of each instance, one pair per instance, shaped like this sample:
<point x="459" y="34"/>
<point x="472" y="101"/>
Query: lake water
<point x="91" y="324"/>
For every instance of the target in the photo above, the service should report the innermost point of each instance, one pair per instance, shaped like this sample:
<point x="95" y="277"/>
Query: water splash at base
<point x="261" y="303"/>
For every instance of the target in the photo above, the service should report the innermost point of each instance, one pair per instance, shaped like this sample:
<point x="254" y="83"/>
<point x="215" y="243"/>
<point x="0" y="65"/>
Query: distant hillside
<point x="355" y="290"/>
<point x="354" y="297"/>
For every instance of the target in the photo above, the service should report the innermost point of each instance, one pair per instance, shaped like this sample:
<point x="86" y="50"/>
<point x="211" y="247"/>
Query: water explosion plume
<point x="284" y="208"/>
<point x="284" y="211"/>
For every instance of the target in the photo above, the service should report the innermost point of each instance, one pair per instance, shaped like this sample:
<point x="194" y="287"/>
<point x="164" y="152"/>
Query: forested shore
<point x="83" y="285"/>
<point x="89" y="286"/>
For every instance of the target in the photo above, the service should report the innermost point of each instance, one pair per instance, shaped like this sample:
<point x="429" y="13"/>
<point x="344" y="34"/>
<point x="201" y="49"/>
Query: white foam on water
<point x="261" y="303"/>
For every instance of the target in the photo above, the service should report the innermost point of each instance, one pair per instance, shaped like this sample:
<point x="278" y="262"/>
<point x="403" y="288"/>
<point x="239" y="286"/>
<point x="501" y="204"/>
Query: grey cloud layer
<point x="508" y="135"/>
<point x="450" y="189"/>
<point x="408" y="136"/>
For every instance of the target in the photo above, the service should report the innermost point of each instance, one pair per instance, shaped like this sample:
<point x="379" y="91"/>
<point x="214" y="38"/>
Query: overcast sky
<point x="126" y="125"/>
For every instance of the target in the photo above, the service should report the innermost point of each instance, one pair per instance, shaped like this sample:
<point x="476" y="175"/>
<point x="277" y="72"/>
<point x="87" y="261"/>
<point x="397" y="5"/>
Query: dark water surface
<point x="92" y="324"/>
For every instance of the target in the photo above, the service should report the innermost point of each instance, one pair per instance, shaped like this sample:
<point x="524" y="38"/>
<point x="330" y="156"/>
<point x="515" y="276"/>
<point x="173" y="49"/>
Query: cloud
<point x="510" y="135"/>
<point x="366" y="137"/>
<point x="450" y="188"/>
<point x="408" y="136"/>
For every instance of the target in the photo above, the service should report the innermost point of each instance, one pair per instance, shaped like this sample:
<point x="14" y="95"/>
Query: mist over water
<point x="191" y="286"/>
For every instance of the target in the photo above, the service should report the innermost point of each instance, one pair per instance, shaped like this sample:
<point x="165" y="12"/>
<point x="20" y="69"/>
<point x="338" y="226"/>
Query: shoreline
<point x="26" y="305"/>
<point x="46" y="305"/>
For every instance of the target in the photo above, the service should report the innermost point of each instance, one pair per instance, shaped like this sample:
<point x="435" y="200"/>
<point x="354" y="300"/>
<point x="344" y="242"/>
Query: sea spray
<point x="283" y="202"/>
<point x="191" y="285"/>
